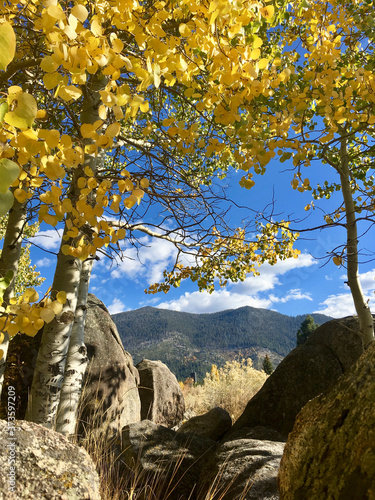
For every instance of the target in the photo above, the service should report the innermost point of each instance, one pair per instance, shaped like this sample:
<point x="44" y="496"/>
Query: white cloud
<point x="49" y="240"/>
<point x="148" y="262"/>
<point x="341" y="305"/>
<point x="251" y="292"/>
<point x="117" y="306"/>
<point x="45" y="262"/>
<point x="219" y="300"/>
<point x="268" y="279"/>
<point x="295" y="294"/>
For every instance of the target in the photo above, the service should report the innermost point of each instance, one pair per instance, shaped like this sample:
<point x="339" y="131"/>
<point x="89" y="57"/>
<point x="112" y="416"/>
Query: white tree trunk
<point x="50" y="365"/>
<point x="49" y="371"/>
<point x="9" y="260"/>
<point x="361" y="306"/>
<point x="76" y="362"/>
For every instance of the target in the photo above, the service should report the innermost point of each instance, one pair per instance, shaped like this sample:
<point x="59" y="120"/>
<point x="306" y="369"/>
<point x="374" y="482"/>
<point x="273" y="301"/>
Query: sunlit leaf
<point x="7" y="45"/>
<point x="9" y="171"/>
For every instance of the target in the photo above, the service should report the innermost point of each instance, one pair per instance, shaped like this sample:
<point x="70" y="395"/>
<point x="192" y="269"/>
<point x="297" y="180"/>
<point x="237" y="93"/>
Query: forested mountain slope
<point x="192" y="342"/>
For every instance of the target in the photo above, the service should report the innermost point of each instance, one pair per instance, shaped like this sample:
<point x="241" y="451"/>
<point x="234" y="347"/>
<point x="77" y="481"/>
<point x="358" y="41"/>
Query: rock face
<point x="172" y="462"/>
<point x="331" y="451"/>
<point x="244" y="467"/>
<point x="188" y="466"/>
<point x="213" y="424"/>
<point x="111" y="381"/>
<point x="306" y="372"/>
<point x="47" y="466"/>
<point x="162" y="400"/>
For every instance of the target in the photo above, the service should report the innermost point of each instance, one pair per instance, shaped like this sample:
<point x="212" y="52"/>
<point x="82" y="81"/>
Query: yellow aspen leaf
<point x="70" y="32"/>
<point x="47" y="315"/>
<point x="7" y="44"/>
<point x="48" y="64"/>
<point x="51" y="137"/>
<point x="263" y="63"/>
<point x="30" y="295"/>
<point x="144" y="106"/>
<point x="88" y="171"/>
<point x="41" y="114"/>
<point x="38" y="323"/>
<point x="130" y="201"/>
<point x="66" y="249"/>
<point x="144" y="183"/>
<point x="254" y="54"/>
<point x="9" y="172"/>
<point x="257" y="42"/>
<point x="104" y="141"/>
<point x="184" y="30"/>
<point x="337" y="260"/>
<point x="117" y="45"/>
<point x="102" y="112"/>
<point x="81" y="183"/>
<point x="21" y="195"/>
<point x="88" y="130"/>
<point x="80" y="12"/>
<point x="61" y="297"/>
<point x="69" y="92"/>
<point x="138" y="193"/>
<point x="113" y="129"/>
<point x="22" y="110"/>
<point x="267" y="12"/>
<point x="12" y="329"/>
<point x="121" y="233"/>
<point x="96" y="27"/>
<point x="52" y="220"/>
<point x="56" y="12"/>
<point x="295" y="183"/>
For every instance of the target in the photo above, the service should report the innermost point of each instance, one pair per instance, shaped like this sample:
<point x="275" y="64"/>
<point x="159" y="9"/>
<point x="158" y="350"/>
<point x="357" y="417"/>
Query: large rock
<point x="213" y="424"/>
<point x="170" y="462"/>
<point x="162" y="400"/>
<point x="306" y="372"/>
<point x="111" y="380"/>
<point x="46" y="465"/>
<point x="244" y="467"/>
<point x="331" y="451"/>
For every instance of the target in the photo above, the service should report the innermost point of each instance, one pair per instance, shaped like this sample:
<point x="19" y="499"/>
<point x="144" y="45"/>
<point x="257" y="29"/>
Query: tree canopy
<point x="120" y="118"/>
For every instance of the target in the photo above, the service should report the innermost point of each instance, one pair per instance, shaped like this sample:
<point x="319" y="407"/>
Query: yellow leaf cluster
<point x="26" y="315"/>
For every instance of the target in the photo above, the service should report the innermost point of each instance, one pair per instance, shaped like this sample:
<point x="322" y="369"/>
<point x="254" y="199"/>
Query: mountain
<point x="189" y="342"/>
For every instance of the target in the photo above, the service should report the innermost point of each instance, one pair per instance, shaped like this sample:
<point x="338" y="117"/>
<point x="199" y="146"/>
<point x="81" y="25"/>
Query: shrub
<point x="230" y="387"/>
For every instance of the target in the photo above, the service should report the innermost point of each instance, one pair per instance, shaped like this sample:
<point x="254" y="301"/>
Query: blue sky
<point x="296" y="286"/>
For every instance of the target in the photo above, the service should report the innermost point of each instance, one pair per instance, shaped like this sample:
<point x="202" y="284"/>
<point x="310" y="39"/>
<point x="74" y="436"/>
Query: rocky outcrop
<point x="244" y="467"/>
<point x="331" y="451"/>
<point x="213" y="424"/>
<point x="171" y="463"/>
<point x="306" y="372"/>
<point x="162" y="400"/>
<point x="111" y="380"/>
<point x="37" y="463"/>
<point x="188" y="466"/>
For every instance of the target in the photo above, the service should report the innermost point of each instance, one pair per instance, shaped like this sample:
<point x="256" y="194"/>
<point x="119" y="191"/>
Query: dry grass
<point x="230" y="387"/>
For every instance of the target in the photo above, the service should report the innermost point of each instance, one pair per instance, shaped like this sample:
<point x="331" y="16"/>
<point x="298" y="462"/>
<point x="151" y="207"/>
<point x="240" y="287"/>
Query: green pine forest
<point x="193" y="342"/>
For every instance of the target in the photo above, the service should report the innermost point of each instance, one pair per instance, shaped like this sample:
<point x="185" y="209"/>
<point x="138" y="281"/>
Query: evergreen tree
<point x="267" y="365"/>
<point x="308" y="325"/>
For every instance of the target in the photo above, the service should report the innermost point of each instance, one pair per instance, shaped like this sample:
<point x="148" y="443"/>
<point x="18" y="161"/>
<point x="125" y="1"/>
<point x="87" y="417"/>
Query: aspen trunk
<point x="49" y="372"/>
<point x="50" y="365"/>
<point x="361" y="306"/>
<point x="9" y="260"/>
<point x="76" y="362"/>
